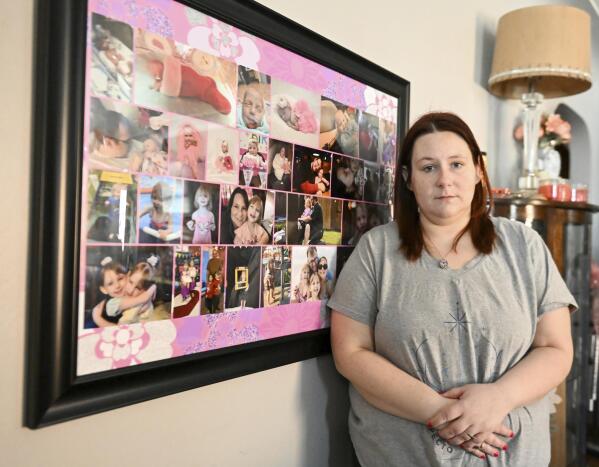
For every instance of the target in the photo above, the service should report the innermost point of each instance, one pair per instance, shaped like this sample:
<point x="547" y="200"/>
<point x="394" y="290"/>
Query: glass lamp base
<point x="528" y="182"/>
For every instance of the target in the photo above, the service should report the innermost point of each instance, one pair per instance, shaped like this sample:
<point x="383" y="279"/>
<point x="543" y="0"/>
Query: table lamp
<point x="540" y="51"/>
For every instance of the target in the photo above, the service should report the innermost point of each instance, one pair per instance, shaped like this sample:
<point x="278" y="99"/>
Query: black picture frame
<point x="53" y="391"/>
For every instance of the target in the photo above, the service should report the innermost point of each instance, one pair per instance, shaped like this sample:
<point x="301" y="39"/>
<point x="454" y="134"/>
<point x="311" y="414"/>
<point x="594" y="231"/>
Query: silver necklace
<point x="443" y="263"/>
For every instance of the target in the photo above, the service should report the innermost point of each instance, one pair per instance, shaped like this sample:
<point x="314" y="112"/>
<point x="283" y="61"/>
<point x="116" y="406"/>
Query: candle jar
<point x="580" y="193"/>
<point x="555" y="189"/>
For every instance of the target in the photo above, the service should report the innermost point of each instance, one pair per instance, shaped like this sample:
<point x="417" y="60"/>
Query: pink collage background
<point x="113" y="347"/>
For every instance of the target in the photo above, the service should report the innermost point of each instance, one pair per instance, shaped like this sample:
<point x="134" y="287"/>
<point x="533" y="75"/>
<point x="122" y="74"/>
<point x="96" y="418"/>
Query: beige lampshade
<point x="551" y="43"/>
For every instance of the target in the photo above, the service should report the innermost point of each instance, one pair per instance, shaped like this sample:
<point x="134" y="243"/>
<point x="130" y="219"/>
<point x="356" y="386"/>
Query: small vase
<point x="549" y="162"/>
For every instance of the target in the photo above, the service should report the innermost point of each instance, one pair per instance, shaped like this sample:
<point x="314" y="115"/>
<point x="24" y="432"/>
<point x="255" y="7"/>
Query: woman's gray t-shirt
<point x="448" y="328"/>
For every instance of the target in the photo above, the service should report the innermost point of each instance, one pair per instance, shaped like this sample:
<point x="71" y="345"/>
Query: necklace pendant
<point x="443" y="264"/>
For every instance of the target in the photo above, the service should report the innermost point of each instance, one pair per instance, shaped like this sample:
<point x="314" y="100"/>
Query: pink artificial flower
<point x="561" y="128"/>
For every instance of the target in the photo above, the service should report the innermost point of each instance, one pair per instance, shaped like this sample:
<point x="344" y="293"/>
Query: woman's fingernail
<point x="483" y="456"/>
<point x="505" y="447"/>
<point x="511" y="434"/>
<point x="495" y="454"/>
<point x="429" y="424"/>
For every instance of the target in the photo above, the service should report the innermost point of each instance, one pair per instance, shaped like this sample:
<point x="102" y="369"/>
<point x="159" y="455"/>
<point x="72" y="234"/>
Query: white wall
<point x="294" y="415"/>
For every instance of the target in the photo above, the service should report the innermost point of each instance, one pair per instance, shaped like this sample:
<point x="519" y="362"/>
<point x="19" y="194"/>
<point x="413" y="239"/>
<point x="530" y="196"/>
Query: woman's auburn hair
<point x="405" y="209"/>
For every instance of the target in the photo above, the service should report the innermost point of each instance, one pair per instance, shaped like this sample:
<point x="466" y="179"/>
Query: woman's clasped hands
<point x="474" y="421"/>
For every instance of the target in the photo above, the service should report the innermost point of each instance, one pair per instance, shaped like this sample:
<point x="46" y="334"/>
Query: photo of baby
<point x="111" y="207"/>
<point x="280" y="236"/>
<point x="359" y="218"/>
<point x="279" y="165"/>
<point x="127" y="285"/>
<point x="338" y="127"/>
<point x="247" y="216"/>
<point x="213" y="259"/>
<point x="253" y="94"/>
<point x="177" y="78"/>
<point x="160" y="205"/>
<point x="312" y="273"/>
<point x="368" y="136"/>
<point x="252" y="160"/>
<point x="387" y="143"/>
<point x="311" y="171"/>
<point x="200" y="212"/>
<point x="186" y="301"/>
<point x="243" y="278"/>
<point x="295" y="114"/>
<point x="347" y="179"/>
<point x="276" y="276"/>
<point x="313" y="221"/>
<point x="111" y="72"/>
<point x="222" y="160"/>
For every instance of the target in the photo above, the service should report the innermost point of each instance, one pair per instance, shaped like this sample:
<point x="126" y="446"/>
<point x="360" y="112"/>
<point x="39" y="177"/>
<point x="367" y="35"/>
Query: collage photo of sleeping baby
<point x="211" y="187"/>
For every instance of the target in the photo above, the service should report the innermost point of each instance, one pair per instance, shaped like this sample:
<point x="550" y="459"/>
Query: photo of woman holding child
<point x="348" y="177"/>
<point x="247" y="216"/>
<point x="311" y="171"/>
<point x="126" y="286"/>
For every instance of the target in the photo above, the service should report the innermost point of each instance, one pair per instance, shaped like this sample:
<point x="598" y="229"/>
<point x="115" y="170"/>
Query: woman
<point x="234" y="216"/>
<point x="450" y="325"/>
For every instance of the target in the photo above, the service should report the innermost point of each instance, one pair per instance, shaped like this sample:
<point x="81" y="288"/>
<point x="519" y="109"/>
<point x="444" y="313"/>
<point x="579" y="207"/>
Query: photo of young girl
<point x="359" y="218"/>
<point x="253" y="94"/>
<point x="212" y="278"/>
<point x="279" y="165"/>
<point x="312" y="273"/>
<point x="338" y="127"/>
<point x="243" y="278"/>
<point x="347" y="179"/>
<point x="186" y="301"/>
<point x="200" y="212"/>
<point x="312" y="220"/>
<point x="222" y="161"/>
<point x="177" y="78"/>
<point x="127" y="285"/>
<point x="108" y="195"/>
<point x="160" y="205"/>
<point x="111" y="72"/>
<point x="276" y="276"/>
<point x="252" y="161"/>
<point x="279" y="236"/>
<point x="387" y="143"/>
<point x="368" y="136"/>
<point x="387" y="178"/>
<point x="311" y="171"/>
<point x="295" y="114"/>
<point x="189" y="146"/>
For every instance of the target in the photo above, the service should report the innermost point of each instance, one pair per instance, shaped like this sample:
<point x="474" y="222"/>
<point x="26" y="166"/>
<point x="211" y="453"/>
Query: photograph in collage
<point x="371" y="182"/>
<point x="200" y="212"/>
<point x="253" y="151"/>
<point x="280" y="227"/>
<point x="338" y="127"/>
<point x="343" y="254"/>
<point x="276" y="276"/>
<point x="359" y="218"/>
<point x="368" y="137"/>
<point x="243" y="278"/>
<point x="186" y="301"/>
<point x="313" y="221"/>
<point x="311" y="171"/>
<point x="253" y="94"/>
<point x="247" y="215"/>
<point x="111" y="207"/>
<point x="111" y="72"/>
<point x="177" y="78"/>
<point x="189" y="147"/>
<point x="347" y="180"/>
<point x="213" y="259"/>
<point x="127" y="285"/>
<point x="222" y="164"/>
<point x="387" y="178"/>
<point x="279" y="165"/>
<point x="295" y="114"/>
<point x="312" y="273"/>
<point x="160" y="205"/>
<point x="126" y="138"/>
<point x="387" y="143"/>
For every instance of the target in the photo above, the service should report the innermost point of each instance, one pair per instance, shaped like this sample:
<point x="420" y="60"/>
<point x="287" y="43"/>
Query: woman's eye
<point x="427" y="168"/>
<point x="457" y="165"/>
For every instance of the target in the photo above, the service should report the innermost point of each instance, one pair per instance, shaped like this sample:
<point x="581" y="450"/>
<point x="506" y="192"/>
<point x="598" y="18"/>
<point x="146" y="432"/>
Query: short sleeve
<point x="551" y="290"/>
<point x="113" y="307"/>
<point x="355" y="293"/>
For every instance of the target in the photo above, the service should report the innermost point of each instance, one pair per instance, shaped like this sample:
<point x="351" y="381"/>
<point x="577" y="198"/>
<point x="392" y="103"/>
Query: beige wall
<point x="289" y="416"/>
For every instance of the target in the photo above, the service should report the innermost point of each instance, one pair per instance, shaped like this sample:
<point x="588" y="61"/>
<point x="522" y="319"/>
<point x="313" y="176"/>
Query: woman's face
<point x="254" y="212"/>
<point x="323" y="265"/>
<point x="314" y="285"/>
<point x="239" y="211"/>
<point x="443" y="177"/>
<point x="133" y="281"/>
<point x="114" y="284"/>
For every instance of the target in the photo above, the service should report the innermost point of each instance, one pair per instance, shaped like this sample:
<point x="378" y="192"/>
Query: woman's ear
<point x="479" y="174"/>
